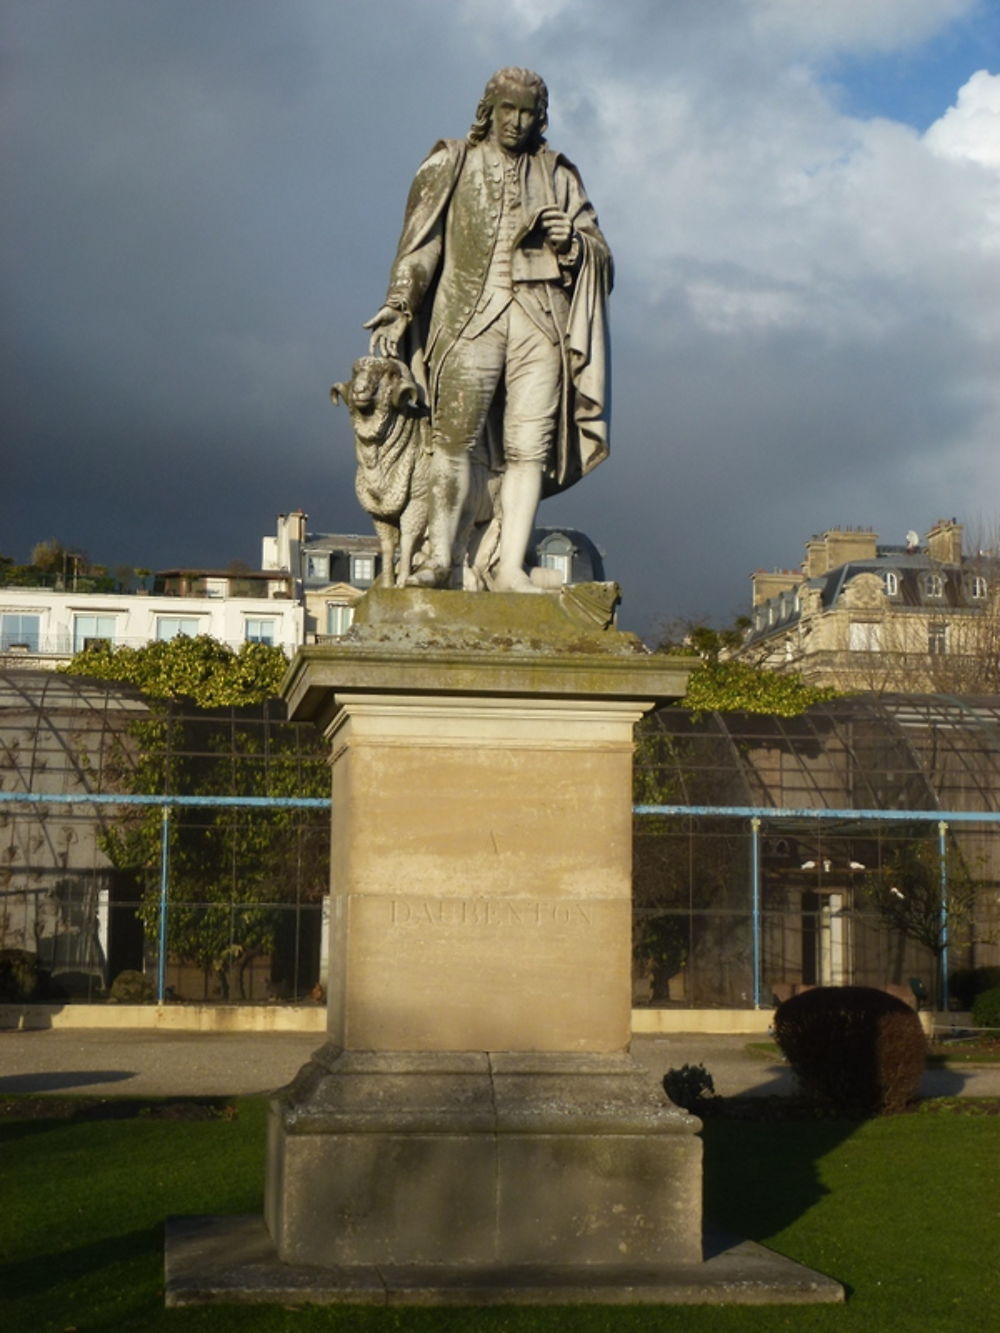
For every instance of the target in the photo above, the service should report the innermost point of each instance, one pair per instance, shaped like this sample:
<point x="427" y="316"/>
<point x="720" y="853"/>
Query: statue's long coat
<point x="443" y="258"/>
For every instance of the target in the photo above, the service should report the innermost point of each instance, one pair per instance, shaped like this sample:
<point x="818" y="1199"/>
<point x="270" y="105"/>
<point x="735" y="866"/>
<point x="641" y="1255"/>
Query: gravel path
<point x="158" y="1064"/>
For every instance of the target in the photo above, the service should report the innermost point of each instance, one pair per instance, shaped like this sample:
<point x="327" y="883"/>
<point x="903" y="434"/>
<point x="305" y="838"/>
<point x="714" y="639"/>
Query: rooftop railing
<point x="20" y="651"/>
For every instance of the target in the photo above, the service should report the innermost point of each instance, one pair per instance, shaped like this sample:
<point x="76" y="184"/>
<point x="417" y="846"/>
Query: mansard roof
<point x="911" y="569"/>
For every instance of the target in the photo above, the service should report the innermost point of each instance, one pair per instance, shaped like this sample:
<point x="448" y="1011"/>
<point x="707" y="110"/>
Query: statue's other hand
<point x="557" y="227"/>
<point x="387" y="327"/>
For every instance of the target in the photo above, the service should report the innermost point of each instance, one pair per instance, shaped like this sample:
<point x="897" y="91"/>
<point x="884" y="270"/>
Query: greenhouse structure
<point x="857" y="843"/>
<point x="862" y="847"/>
<point x="82" y="880"/>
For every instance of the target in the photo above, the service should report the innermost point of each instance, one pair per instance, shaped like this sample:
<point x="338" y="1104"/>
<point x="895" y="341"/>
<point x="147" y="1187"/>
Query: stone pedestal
<point x="475" y="1103"/>
<point x="481" y="855"/>
<point x="461" y="1158"/>
<point x="475" y="1130"/>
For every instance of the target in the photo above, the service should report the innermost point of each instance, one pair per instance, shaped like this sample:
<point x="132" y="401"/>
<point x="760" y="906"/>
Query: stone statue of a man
<point x="497" y="299"/>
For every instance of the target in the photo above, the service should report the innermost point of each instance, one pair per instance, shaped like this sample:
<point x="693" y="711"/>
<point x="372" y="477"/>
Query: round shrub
<point x="968" y="982"/>
<point x="131" y="987"/>
<point x="21" y="976"/>
<point x="986" y="1009"/>
<point x="689" y="1086"/>
<point x="853" y="1048"/>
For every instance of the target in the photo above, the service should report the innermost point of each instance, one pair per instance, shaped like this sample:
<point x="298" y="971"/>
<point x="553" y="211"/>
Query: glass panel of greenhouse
<point x="841" y="900"/>
<point x="725" y="915"/>
<point x="80" y="883"/>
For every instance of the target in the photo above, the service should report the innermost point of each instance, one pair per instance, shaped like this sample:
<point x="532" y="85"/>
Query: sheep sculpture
<point x="392" y="450"/>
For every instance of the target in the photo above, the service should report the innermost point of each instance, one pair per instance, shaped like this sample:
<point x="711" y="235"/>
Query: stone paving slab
<point x="209" y="1260"/>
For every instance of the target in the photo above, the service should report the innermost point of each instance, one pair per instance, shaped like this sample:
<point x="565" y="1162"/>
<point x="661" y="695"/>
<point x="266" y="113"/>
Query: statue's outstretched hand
<point x="557" y="227"/>
<point x="388" y="327"/>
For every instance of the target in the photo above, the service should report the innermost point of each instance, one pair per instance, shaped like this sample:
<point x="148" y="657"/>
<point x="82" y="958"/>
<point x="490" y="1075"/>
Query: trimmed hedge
<point x="131" y="987"/>
<point x="22" y="977"/>
<point x="986" y="1009"/>
<point x="968" y="982"/>
<point x="689" y="1087"/>
<point x="853" y="1048"/>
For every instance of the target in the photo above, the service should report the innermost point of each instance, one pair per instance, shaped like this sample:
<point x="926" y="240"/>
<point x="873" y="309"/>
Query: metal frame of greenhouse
<point x="756" y="842"/>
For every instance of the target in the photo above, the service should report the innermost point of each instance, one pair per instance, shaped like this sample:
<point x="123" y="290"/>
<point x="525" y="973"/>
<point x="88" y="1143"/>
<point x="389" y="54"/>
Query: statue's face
<point x="515" y="115"/>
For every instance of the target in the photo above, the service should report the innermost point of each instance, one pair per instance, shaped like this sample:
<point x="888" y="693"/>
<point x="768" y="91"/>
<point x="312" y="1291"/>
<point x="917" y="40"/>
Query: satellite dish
<point x="912" y="539"/>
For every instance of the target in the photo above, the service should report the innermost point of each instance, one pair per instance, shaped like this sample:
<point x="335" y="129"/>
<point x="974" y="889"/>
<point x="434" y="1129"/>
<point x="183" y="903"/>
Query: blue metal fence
<point x="756" y="818"/>
<point x="166" y="804"/>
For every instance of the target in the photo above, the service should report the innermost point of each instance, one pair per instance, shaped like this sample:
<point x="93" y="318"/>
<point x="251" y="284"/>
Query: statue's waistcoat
<point x="471" y="226"/>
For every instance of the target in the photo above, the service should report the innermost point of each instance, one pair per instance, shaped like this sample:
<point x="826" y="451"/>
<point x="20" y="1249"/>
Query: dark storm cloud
<point x="203" y="201"/>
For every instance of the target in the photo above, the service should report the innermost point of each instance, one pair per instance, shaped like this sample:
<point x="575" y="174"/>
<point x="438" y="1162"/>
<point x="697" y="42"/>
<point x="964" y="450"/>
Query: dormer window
<point x="559" y="562"/>
<point x="978" y="587"/>
<point x="890" y="583"/>
<point x="934" y="585"/>
<point x="556" y="552"/>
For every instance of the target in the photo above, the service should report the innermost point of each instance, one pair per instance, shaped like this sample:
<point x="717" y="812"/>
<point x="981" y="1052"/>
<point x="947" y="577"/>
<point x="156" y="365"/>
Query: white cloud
<point x="971" y="128"/>
<point x="814" y="296"/>
<point x="797" y="217"/>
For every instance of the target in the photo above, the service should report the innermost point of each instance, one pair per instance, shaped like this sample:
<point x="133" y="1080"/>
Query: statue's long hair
<point x="522" y="78"/>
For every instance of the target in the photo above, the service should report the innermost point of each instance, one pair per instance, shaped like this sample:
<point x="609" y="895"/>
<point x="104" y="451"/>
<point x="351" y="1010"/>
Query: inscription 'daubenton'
<point x="485" y="912"/>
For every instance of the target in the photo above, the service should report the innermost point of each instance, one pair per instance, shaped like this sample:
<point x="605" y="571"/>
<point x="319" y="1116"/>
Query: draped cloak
<point x="440" y="270"/>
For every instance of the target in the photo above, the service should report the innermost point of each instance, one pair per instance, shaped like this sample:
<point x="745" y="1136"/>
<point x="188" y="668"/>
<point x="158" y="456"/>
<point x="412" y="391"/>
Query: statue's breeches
<point x="512" y="351"/>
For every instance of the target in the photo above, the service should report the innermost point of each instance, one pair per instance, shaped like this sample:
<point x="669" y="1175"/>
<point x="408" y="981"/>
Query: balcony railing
<point x="52" y="648"/>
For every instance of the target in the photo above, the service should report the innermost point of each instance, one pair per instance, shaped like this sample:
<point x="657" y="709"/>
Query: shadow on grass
<point x="26" y="1116"/>
<point x="757" y="1182"/>
<point x="35" y="1276"/>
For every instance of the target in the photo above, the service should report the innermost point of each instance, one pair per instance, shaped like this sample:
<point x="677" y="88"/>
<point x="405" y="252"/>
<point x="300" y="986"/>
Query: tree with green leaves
<point x="49" y="556"/>
<point x="52" y="565"/>
<point x="741" y="687"/>
<point x="215" y="729"/>
<point x="684" y="636"/>
<point x="720" y="684"/>
<point x="201" y="669"/>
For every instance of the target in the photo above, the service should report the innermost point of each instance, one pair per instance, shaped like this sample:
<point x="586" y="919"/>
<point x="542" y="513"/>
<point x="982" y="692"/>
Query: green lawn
<point x="903" y="1210"/>
<point x="971" y="1052"/>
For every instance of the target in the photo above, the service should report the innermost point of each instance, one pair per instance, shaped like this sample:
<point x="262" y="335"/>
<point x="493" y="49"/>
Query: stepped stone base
<point x="232" y="1260"/>
<point x="467" y="1157"/>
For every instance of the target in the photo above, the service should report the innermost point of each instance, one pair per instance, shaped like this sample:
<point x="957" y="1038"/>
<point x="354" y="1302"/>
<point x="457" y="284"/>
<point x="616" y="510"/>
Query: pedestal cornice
<point x="419" y="643"/>
<point x="321" y="677"/>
